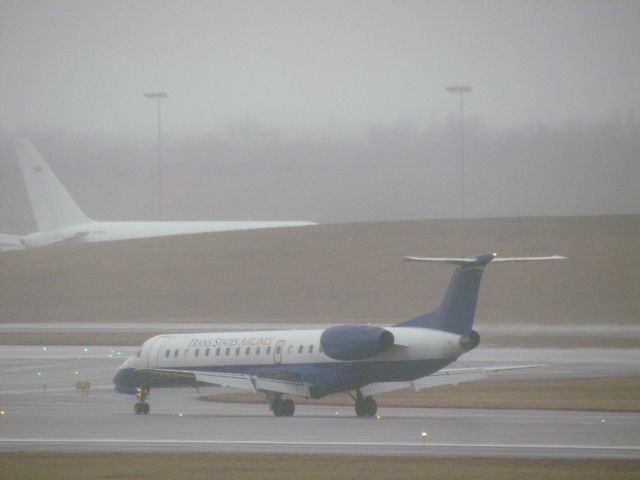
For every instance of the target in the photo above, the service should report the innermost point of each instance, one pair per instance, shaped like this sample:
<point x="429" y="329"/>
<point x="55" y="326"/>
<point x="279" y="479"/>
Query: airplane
<point x="61" y="221"/>
<point x="361" y="358"/>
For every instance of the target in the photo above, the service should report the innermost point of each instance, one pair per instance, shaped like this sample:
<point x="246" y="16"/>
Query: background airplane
<point x="364" y="359"/>
<point x="61" y="221"/>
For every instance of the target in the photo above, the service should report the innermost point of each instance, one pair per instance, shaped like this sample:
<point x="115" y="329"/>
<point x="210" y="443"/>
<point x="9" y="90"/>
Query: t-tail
<point x="52" y="205"/>
<point x="458" y="307"/>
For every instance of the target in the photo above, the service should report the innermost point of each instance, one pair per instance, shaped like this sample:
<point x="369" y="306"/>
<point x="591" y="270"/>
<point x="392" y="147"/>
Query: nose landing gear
<point x="142" y="407"/>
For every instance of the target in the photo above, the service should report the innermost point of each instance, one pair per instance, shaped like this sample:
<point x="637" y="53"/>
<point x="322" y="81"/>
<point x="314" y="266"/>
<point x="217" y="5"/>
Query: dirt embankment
<point x="333" y="273"/>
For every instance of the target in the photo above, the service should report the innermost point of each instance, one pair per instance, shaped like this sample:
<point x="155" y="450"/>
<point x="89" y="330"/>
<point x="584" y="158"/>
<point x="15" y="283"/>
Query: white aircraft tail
<point x="52" y="205"/>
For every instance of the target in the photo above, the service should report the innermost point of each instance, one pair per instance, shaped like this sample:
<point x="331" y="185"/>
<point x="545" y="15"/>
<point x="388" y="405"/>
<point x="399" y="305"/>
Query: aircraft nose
<point x="125" y="378"/>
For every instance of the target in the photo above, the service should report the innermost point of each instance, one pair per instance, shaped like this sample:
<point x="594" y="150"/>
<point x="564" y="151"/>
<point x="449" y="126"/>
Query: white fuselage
<point x="281" y="348"/>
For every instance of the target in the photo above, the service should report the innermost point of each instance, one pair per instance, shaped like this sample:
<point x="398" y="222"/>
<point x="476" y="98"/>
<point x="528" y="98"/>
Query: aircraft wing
<point x="452" y="376"/>
<point x="241" y="381"/>
<point x="10" y="242"/>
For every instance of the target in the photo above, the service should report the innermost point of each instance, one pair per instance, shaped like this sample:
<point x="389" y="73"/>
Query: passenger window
<point x="218" y="352"/>
<point x="300" y="349"/>
<point x="310" y="348"/>
<point x="197" y="352"/>
<point x="268" y="350"/>
<point x="257" y="350"/>
<point x="278" y="349"/>
<point x="167" y="353"/>
<point x="207" y="351"/>
<point x="175" y="354"/>
<point x="247" y="351"/>
<point x="226" y="352"/>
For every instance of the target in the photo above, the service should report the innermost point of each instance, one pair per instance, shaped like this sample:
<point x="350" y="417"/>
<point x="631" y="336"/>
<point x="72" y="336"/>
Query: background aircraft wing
<point x="241" y="381"/>
<point x="452" y="376"/>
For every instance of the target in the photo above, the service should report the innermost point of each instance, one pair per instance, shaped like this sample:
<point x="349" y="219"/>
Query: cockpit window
<point x="139" y="353"/>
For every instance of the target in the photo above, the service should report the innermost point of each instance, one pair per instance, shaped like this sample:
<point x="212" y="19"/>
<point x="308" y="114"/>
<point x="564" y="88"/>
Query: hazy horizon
<point x="313" y="66"/>
<point x="327" y="111"/>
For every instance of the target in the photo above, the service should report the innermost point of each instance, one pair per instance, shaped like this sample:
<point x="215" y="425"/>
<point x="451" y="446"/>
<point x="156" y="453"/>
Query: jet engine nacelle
<point x="471" y="341"/>
<point x="355" y="342"/>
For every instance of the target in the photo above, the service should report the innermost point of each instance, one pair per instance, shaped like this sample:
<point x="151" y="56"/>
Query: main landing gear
<point x="142" y="407"/>
<point x="282" y="407"/>
<point x="365" y="406"/>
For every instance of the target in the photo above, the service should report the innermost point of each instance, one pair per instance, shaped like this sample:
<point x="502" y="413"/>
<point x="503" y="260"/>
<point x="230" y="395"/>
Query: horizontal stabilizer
<point x="481" y="260"/>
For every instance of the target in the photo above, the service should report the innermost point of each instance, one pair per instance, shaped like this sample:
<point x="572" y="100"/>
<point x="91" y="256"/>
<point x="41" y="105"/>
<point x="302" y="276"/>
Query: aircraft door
<point x="154" y="351"/>
<point x="278" y="351"/>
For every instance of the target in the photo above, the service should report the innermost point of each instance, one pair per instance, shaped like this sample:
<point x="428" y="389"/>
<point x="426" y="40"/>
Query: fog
<point x="326" y="111"/>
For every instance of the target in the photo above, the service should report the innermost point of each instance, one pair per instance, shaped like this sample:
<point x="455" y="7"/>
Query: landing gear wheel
<point x="276" y="406"/>
<point x="283" y="408"/>
<point x="141" y="408"/>
<point x="145" y="408"/>
<point x="366" y="406"/>
<point x="370" y="406"/>
<point x="288" y="407"/>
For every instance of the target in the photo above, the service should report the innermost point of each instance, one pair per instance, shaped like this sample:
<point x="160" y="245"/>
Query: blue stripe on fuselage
<point x="323" y="378"/>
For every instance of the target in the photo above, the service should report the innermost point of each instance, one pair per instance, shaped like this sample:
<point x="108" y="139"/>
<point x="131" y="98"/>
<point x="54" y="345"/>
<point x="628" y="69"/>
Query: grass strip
<point x="196" y="466"/>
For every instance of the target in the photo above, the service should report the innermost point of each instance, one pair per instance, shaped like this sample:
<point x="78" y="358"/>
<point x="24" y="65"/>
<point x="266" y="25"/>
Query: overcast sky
<point x="313" y="66"/>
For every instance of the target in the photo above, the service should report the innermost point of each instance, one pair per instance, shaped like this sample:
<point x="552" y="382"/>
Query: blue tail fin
<point x="458" y="307"/>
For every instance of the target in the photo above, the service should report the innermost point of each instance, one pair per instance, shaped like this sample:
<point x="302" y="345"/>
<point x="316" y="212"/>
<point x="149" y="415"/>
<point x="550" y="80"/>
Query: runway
<point x="62" y="419"/>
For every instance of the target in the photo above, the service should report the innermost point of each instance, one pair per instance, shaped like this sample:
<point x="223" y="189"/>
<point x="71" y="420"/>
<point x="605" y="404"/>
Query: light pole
<point x="461" y="90"/>
<point x="159" y="96"/>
